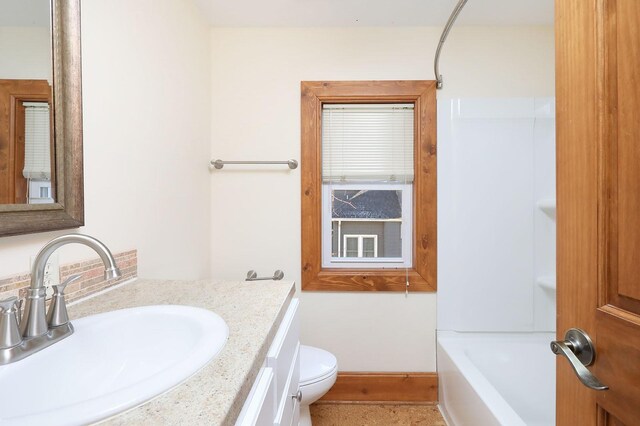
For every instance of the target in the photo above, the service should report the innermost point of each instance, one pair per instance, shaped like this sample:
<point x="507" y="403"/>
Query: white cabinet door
<point x="289" y="407"/>
<point x="283" y="349"/>
<point x="259" y="409"/>
<point x="271" y="400"/>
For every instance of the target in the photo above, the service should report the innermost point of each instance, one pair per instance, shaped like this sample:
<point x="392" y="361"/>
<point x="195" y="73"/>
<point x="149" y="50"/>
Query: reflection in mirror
<point x="26" y="138"/>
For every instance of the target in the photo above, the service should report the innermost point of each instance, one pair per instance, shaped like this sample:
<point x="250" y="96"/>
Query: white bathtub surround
<point x="497" y="379"/>
<point x="496" y="164"/>
<point x="496" y="199"/>
<point x="496" y="253"/>
<point x="544" y="216"/>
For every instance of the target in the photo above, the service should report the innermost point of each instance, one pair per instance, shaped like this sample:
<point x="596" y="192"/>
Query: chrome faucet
<point x="37" y="329"/>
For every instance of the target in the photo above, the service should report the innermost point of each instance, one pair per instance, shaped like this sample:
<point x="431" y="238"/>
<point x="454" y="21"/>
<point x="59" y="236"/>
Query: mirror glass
<point x="27" y="166"/>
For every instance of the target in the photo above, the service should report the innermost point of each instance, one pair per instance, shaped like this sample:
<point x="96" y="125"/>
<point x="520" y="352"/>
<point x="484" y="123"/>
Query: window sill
<point x="367" y="280"/>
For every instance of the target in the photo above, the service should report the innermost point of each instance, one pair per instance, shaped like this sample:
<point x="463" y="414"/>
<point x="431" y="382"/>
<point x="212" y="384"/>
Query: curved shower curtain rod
<point x="443" y="37"/>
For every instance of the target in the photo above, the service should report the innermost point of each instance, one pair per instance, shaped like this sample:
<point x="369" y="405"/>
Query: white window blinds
<point x="367" y="142"/>
<point x="37" y="142"/>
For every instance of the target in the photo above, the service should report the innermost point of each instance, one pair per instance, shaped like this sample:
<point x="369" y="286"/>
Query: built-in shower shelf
<point x="548" y="206"/>
<point x="547" y="282"/>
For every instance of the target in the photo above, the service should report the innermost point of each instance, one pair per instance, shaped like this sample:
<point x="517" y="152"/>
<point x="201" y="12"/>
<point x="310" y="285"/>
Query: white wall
<point x="146" y="92"/>
<point x="255" y="215"/>
<point x="25" y="53"/>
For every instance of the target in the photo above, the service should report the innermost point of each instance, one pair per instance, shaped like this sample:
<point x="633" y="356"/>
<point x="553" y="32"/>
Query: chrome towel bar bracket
<point x="253" y="276"/>
<point x="218" y="164"/>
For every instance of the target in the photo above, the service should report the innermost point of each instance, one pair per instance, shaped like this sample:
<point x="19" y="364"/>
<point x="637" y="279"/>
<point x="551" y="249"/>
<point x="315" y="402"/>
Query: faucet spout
<point x="40" y="262"/>
<point x="34" y="321"/>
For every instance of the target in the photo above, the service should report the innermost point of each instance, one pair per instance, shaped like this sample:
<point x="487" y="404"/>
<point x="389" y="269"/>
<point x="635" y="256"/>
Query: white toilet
<point x="318" y="371"/>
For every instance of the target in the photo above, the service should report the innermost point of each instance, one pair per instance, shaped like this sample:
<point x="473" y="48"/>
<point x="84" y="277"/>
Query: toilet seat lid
<point x="316" y="364"/>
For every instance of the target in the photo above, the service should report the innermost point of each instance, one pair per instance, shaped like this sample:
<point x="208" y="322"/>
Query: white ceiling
<point x="363" y="13"/>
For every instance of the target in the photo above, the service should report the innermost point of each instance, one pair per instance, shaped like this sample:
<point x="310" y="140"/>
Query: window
<point x="367" y="177"/>
<point x="37" y="152"/>
<point x="368" y="186"/>
<point x="380" y="210"/>
<point x="359" y="246"/>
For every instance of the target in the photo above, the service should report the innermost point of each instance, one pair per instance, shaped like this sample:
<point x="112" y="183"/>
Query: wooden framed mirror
<point x="62" y="205"/>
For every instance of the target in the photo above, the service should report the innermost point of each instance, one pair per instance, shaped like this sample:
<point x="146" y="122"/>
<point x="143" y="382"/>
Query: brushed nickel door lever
<point x="579" y="350"/>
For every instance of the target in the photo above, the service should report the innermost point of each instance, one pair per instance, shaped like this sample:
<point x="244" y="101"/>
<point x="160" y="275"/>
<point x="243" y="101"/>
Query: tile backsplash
<point x="92" y="279"/>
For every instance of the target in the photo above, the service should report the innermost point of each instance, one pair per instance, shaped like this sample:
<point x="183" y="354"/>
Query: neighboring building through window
<point x="382" y="211"/>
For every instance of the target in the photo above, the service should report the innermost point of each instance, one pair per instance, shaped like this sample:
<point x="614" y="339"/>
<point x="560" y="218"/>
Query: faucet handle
<point x="57" y="314"/>
<point x="19" y="310"/>
<point x="7" y="304"/>
<point x="9" y="332"/>
<point x="59" y="289"/>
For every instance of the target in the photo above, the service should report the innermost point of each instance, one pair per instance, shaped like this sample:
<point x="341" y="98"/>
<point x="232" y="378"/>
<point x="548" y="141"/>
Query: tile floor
<point x="375" y="415"/>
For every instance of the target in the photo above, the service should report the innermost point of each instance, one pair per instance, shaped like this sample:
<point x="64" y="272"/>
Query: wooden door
<point x="598" y="172"/>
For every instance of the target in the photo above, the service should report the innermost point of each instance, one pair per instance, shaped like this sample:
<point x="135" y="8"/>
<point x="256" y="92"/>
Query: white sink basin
<point x="114" y="361"/>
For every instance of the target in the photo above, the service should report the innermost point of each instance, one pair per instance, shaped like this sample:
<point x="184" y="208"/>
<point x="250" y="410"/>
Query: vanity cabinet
<point x="274" y="398"/>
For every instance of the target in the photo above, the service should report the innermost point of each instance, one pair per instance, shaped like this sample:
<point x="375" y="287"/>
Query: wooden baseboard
<point x="386" y="388"/>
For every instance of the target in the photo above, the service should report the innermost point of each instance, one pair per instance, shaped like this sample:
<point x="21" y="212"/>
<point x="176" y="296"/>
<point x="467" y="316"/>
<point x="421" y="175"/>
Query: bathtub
<point x="496" y="378"/>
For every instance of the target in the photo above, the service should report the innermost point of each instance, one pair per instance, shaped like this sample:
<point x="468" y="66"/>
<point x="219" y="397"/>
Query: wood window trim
<point x="423" y="274"/>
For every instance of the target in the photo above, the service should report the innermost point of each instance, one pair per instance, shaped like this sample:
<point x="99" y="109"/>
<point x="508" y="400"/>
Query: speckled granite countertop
<point x="214" y="395"/>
